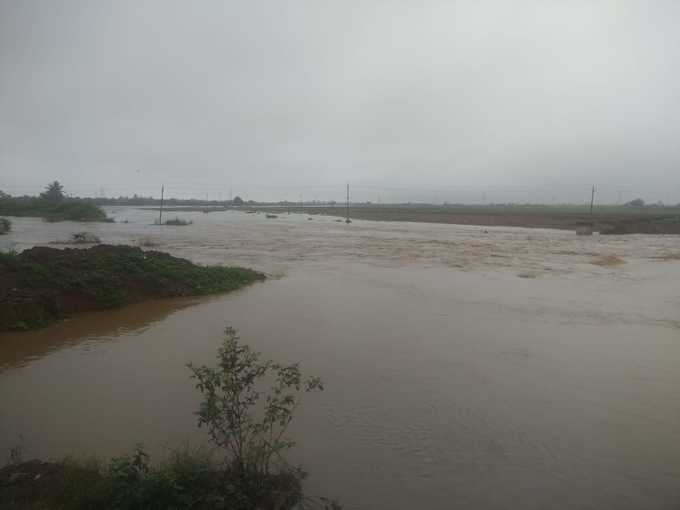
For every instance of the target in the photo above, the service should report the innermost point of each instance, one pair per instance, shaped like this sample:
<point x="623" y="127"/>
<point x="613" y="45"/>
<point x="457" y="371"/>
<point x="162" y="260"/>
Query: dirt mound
<point x="43" y="284"/>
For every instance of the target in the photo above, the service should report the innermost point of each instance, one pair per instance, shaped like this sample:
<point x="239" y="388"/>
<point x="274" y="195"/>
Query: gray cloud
<point x="522" y="100"/>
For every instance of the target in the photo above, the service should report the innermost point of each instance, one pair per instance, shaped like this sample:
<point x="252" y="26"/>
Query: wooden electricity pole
<point x="347" y="220"/>
<point x="592" y="199"/>
<point x="160" y="212"/>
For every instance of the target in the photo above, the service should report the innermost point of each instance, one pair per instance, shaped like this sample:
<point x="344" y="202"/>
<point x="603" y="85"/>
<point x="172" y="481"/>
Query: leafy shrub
<point x="253" y="443"/>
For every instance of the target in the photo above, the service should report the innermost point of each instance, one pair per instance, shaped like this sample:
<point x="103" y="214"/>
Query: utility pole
<point x="347" y="220"/>
<point x="160" y="213"/>
<point x="592" y="199"/>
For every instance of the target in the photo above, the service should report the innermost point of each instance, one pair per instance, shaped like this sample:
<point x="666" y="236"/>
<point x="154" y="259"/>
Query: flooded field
<point x="465" y="367"/>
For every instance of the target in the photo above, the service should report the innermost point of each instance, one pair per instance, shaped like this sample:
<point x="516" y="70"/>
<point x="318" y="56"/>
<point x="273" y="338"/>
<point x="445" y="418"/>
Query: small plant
<point x="5" y="225"/>
<point x="9" y="258"/>
<point x="253" y="442"/>
<point x="127" y="475"/>
<point x="16" y="452"/>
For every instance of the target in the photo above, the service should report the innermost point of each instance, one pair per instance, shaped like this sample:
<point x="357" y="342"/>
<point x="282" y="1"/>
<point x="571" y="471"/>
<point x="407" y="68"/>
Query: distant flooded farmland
<point x="465" y="367"/>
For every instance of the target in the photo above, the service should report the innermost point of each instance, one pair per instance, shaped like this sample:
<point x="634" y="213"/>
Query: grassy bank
<point x="41" y="285"/>
<point x="187" y="480"/>
<point x="611" y="219"/>
<point x="68" y="209"/>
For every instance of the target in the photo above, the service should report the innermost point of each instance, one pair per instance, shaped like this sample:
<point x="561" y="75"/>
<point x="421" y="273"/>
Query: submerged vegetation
<point x="52" y="205"/>
<point x="5" y="225"/>
<point x="177" y="222"/>
<point x="42" y="284"/>
<point x="69" y="209"/>
<point x="246" y="470"/>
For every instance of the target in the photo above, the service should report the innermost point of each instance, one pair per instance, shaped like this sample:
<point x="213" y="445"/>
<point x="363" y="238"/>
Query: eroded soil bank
<point x="41" y="285"/>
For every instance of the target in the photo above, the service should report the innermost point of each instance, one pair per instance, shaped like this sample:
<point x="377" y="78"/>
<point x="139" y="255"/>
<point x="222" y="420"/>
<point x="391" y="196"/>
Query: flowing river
<point x="465" y="367"/>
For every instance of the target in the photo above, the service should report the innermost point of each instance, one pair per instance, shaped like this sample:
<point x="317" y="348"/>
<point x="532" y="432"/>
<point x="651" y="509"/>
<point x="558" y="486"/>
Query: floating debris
<point x="608" y="261"/>
<point x="81" y="238"/>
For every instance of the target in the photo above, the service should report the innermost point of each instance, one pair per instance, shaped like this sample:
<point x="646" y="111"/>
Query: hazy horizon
<point x="471" y="102"/>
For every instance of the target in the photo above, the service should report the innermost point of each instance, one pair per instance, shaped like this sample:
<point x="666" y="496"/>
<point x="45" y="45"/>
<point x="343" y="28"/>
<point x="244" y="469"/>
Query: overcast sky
<point x="461" y="101"/>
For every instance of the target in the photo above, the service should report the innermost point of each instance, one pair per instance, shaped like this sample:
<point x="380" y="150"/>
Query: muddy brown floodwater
<point x="464" y="369"/>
